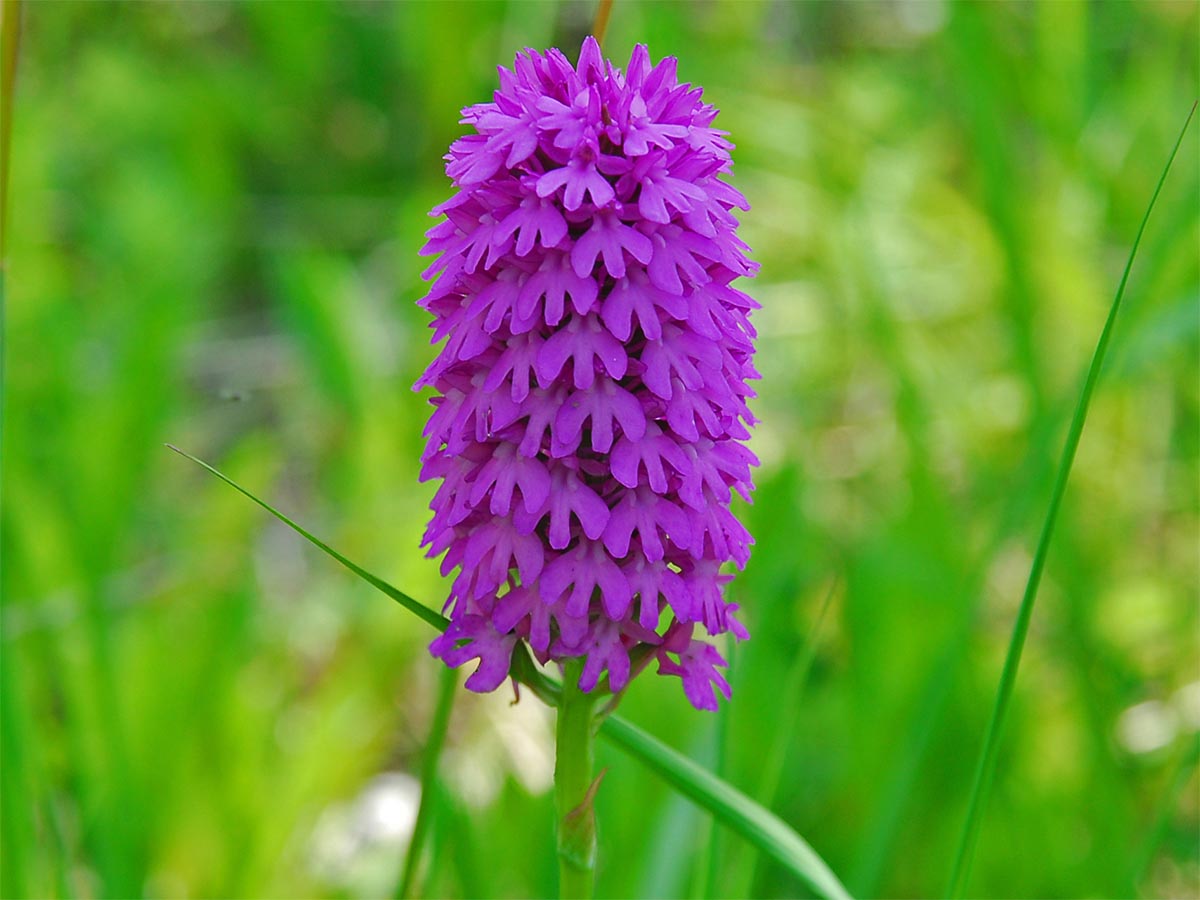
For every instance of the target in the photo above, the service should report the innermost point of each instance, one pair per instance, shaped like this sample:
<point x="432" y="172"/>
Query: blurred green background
<point x="216" y="213"/>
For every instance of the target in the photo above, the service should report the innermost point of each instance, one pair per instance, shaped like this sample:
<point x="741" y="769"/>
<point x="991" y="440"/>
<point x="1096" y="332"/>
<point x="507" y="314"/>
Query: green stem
<point x="573" y="787"/>
<point x="600" y="24"/>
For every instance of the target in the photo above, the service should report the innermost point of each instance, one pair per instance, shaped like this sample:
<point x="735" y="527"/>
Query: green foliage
<point x="991" y="746"/>
<point x="216" y="211"/>
<point x="576" y="726"/>
<point x="729" y="806"/>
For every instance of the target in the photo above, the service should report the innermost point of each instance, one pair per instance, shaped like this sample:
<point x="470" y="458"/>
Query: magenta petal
<point x="482" y="642"/>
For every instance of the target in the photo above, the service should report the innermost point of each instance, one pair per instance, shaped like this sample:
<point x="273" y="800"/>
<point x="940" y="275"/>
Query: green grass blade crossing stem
<point x="759" y="826"/>
<point x="730" y="806"/>
<point x="986" y="767"/>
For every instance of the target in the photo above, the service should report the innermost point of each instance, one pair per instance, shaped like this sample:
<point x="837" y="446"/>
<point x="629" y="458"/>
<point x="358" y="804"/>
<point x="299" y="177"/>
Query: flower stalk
<point x="600" y="23"/>
<point x="574" y="788"/>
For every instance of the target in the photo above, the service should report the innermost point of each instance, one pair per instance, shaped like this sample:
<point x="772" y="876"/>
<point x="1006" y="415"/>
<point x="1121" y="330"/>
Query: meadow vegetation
<point x="215" y="215"/>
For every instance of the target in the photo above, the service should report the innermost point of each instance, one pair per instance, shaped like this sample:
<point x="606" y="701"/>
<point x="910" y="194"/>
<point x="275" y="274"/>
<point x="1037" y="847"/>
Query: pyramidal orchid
<point x="591" y="396"/>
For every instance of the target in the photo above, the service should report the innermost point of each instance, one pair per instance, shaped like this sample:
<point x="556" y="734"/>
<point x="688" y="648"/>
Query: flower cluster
<point x="591" y="394"/>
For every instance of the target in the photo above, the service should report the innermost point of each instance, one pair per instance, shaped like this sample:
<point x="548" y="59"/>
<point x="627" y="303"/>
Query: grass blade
<point x="987" y="759"/>
<point x="429" y="791"/>
<point x="524" y="669"/>
<point x="730" y="806"/>
<point x="437" y="620"/>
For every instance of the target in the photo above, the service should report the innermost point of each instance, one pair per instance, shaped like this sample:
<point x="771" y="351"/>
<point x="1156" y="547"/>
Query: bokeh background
<point x="216" y="213"/>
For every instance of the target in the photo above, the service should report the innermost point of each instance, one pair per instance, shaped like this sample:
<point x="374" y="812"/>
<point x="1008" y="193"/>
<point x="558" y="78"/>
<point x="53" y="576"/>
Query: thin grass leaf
<point x="429" y="793"/>
<point x="986" y="768"/>
<point x="524" y="669"/>
<point x="437" y="620"/>
<point x="730" y="806"/>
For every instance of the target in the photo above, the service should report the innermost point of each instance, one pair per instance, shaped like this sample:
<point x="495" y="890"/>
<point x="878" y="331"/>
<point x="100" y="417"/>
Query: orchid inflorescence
<point x="592" y="392"/>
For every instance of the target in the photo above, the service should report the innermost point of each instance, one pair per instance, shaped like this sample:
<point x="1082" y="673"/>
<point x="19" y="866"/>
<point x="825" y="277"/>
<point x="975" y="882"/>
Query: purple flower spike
<point x="591" y="394"/>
